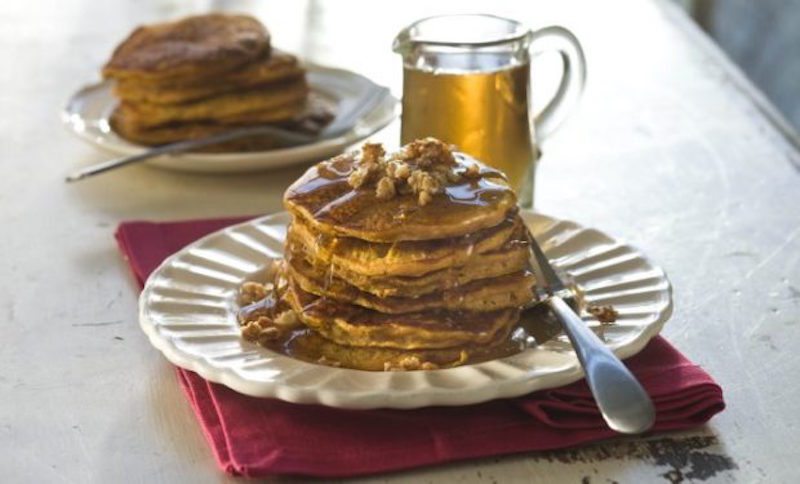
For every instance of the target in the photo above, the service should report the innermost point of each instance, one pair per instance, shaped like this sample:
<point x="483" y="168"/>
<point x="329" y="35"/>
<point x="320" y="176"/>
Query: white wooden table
<point x="671" y="149"/>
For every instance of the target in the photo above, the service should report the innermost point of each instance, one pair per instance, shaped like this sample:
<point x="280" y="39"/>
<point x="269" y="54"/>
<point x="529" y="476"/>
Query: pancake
<point x="161" y="135"/>
<point x="512" y="257"/>
<point x="276" y="68"/>
<point x="315" y="116"/>
<point x="352" y="325"/>
<point x="168" y="133"/>
<point x="311" y="346"/>
<point x="506" y="291"/>
<point x="202" y="46"/>
<point x="325" y="200"/>
<point x="269" y="104"/>
<point x="315" y="348"/>
<point x="404" y="258"/>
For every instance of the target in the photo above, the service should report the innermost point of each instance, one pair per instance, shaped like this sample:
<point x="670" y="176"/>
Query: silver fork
<point x="342" y="124"/>
<point x="624" y="404"/>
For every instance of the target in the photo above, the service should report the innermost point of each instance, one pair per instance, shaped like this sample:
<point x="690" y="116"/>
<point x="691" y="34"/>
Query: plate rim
<point x="408" y="399"/>
<point x="206" y="162"/>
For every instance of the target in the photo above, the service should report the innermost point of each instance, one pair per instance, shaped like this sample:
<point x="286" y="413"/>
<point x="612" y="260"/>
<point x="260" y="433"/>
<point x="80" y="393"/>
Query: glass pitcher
<point x="466" y="81"/>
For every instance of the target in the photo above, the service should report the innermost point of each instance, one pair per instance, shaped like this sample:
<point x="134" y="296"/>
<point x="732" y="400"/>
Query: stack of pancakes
<point x="203" y="75"/>
<point x="406" y="261"/>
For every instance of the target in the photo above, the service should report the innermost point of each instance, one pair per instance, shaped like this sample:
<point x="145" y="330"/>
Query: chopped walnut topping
<point x="323" y="360"/>
<point x="402" y="172"/>
<point x="262" y="330"/>
<point x="424" y="185"/>
<point x="428" y="152"/>
<point x="415" y="180"/>
<point x="251" y="292"/>
<point x="422" y="168"/>
<point x="430" y="184"/>
<point x="604" y="314"/>
<point x="424" y="198"/>
<point x="268" y="335"/>
<point x="360" y="176"/>
<point x="372" y="153"/>
<point x="251" y="331"/>
<point x="391" y="168"/>
<point x="409" y="363"/>
<point x="385" y="189"/>
<point x="265" y="329"/>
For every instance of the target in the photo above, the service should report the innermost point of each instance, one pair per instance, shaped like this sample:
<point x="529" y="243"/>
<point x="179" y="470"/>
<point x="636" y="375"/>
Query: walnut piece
<point x="428" y="152"/>
<point x="424" y="198"/>
<point x="251" y="292"/>
<point x="269" y="335"/>
<point x="385" y="189"/>
<point x="262" y="330"/>
<point x="402" y="172"/>
<point x="251" y="331"/>
<point x="409" y="363"/>
<point x="360" y="176"/>
<point x="605" y="314"/>
<point x="372" y="153"/>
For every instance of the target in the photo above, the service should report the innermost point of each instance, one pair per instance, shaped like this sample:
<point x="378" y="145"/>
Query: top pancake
<point x="473" y="197"/>
<point x="194" y="47"/>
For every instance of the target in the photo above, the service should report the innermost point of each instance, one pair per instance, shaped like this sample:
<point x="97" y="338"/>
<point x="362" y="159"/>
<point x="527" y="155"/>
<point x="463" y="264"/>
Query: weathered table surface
<point x="672" y="149"/>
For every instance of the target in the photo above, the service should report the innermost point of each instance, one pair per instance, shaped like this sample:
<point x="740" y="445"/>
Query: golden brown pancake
<point x="161" y="135"/>
<point x="323" y="200"/>
<point x="352" y="325"/>
<point x="512" y="257"/>
<point x="311" y="346"/>
<point x="315" y="116"/>
<point x="278" y="67"/>
<point x="404" y="258"/>
<point x="506" y="291"/>
<point x="152" y="135"/>
<point x="268" y="104"/>
<point x="202" y="46"/>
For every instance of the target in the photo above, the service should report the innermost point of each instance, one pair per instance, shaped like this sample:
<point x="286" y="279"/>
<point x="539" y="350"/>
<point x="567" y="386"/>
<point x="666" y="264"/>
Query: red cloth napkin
<point x="260" y="437"/>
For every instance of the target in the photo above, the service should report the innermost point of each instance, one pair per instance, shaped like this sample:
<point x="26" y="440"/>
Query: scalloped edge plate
<point x="188" y="311"/>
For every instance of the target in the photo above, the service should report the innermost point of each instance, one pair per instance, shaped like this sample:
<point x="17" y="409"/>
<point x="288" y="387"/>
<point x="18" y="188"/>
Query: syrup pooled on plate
<point x="535" y="327"/>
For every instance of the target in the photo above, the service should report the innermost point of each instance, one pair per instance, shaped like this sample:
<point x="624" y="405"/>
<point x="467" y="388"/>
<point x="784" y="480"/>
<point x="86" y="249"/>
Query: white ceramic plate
<point x="188" y="310"/>
<point x="88" y="111"/>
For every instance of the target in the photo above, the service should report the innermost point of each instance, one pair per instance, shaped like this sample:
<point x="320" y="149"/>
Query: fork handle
<point x="187" y="145"/>
<point x="623" y="402"/>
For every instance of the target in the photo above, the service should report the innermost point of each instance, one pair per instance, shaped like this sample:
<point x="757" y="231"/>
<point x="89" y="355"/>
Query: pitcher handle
<point x="572" y="81"/>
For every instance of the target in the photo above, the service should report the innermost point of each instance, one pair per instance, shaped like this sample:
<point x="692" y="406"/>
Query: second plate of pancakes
<point x="88" y="115"/>
<point x="189" y="311"/>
